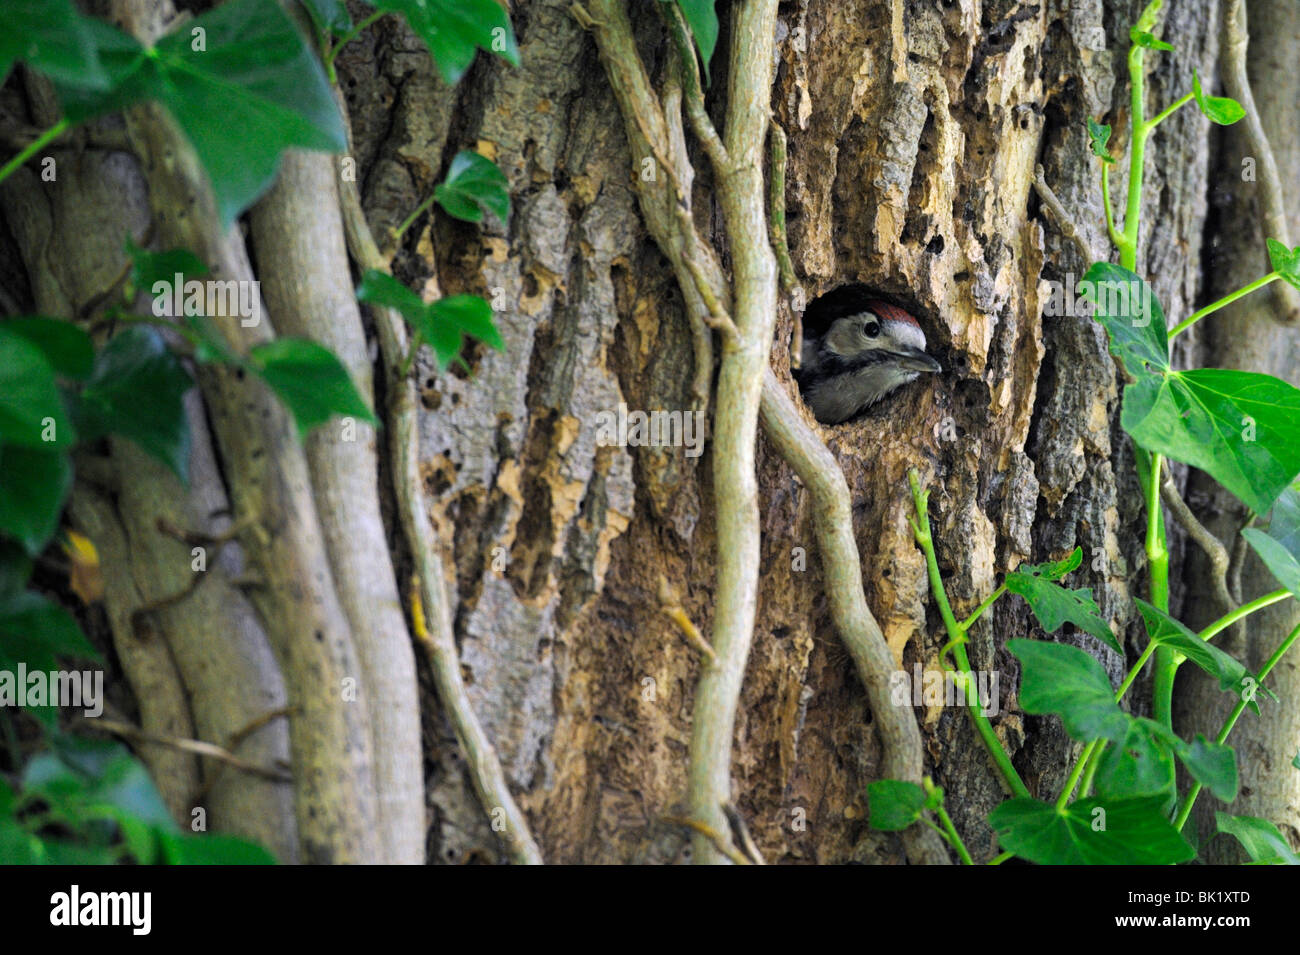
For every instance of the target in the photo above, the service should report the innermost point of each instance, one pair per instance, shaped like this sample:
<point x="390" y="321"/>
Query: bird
<point x="860" y="358"/>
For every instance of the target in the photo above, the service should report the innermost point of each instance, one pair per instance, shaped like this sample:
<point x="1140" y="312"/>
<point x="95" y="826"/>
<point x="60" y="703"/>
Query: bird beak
<point x="915" y="359"/>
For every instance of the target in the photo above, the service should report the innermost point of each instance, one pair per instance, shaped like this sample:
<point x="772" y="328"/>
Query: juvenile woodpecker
<point x="861" y="358"/>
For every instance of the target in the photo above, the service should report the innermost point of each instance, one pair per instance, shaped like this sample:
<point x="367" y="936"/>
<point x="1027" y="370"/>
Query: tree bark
<point x="914" y="134"/>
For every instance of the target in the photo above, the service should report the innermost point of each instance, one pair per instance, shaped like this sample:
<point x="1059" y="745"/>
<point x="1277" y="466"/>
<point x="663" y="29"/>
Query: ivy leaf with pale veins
<point x="1061" y="679"/>
<point x="1259" y="837"/>
<point x="1131" y="314"/>
<point x="1054" y="605"/>
<point x="1091" y="832"/>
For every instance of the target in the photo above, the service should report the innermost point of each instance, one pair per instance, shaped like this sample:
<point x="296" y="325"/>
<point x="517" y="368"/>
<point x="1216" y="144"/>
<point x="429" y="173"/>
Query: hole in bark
<point x="935" y="245"/>
<point x="962" y="276"/>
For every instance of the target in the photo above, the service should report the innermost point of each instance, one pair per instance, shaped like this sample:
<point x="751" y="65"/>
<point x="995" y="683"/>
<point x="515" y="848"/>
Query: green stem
<point x="1075" y="773"/>
<point x="1166" y="665"/>
<point x="950" y="833"/>
<point x="1137" y="157"/>
<point x="1001" y="858"/>
<point x="988" y="602"/>
<point x="1245" y="610"/>
<point x="347" y="38"/>
<point x="34" y="147"/>
<point x="1226" y="300"/>
<point x="1094" y="761"/>
<point x="419" y="211"/>
<point x="1169" y="111"/>
<point x="1115" y="237"/>
<point x="1137" y="668"/>
<point x="924" y="539"/>
<point x="1231" y="721"/>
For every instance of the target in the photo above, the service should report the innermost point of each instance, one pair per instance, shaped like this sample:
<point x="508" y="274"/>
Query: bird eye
<point x="871" y="329"/>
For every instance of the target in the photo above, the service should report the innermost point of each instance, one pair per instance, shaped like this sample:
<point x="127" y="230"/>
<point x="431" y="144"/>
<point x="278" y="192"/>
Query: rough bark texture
<point x="914" y="130"/>
<point x="1246" y="336"/>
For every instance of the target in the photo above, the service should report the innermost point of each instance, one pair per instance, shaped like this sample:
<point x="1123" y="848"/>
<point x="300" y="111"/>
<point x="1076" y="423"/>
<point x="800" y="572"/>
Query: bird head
<point x="862" y="357"/>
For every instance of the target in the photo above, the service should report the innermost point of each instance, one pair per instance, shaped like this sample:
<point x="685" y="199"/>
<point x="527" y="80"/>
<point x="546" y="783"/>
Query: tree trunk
<point x="914" y="130"/>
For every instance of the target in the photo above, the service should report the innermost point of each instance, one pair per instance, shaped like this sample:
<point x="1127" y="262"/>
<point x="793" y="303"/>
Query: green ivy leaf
<point x="1286" y="262"/>
<point x="17" y="846"/>
<point x="1091" y="832"/>
<point x="1148" y="41"/>
<point x="251" y="92"/>
<point x="474" y="185"/>
<point x="454" y="29"/>
<point x="1099" y="135"/>
<point x="1219" y="109"/>
<point x="149" y="268"/>
<point x="37" y="632"/>
<point x="1054" y="605"/>
<point x="310" y="380"/>
<point x="1131" y="314"/>
<point x="1052" y="570"/>
<point x="1284" y="519"/>
<point x="1259" y="837"/>
<point x="15" y="570"/>
<point x="1281" y="562"/>
<point x="469" y="314"/>
<point x="83" y="780"/>
<point x="1061" y="679"/>
<point x="1141" y="764"/>
<point x="702" y="18"/>
<point x="137" y="390"/>
<point x="33" y="486"/>
<point x="893" y="804"/>
<point x="442" y="323"/>
<point x="1168" y="632"/>
<point x="1242" y="428"/>
<point x="1213" y="765"/>
<point x="329" y="16"/>
<point x="31" y="408"/>
<point x="66" y="347"/>
<point x="181" y="848"/>
<point x="52" y="37"/>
